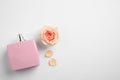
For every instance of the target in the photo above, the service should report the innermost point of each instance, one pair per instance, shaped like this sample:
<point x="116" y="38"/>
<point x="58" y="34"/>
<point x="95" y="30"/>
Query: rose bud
<point x="49" y="35"/>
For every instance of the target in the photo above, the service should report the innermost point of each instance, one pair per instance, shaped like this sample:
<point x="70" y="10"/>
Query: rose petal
<point x="48" y="53"/>
<point x="52" y="62"/>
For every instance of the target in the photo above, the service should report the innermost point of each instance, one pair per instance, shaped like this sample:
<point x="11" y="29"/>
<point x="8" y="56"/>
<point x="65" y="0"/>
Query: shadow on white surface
<point x="40" y="45"/>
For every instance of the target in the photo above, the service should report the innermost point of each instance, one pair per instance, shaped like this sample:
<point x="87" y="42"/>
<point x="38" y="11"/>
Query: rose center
<point x="49" y="35"/>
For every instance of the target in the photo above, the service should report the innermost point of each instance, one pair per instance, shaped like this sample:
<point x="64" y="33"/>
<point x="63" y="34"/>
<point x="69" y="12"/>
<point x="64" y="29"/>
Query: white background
<point x="89" y="45"/>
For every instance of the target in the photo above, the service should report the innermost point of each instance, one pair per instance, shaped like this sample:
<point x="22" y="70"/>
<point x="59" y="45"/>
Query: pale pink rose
<point x="49" y="35"/>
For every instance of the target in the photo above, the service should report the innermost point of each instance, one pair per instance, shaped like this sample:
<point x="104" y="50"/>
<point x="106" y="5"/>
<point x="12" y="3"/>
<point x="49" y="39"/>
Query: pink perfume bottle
<point x="23" y="54"/>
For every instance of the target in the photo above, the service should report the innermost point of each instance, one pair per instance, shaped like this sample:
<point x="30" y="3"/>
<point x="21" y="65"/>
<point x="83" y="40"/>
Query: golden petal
<point x="48" y="53"/>
<point x="52" y="62"/>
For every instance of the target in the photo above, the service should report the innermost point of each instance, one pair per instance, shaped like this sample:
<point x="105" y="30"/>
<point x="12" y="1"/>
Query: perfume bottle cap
<point x="21" y="38"/>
